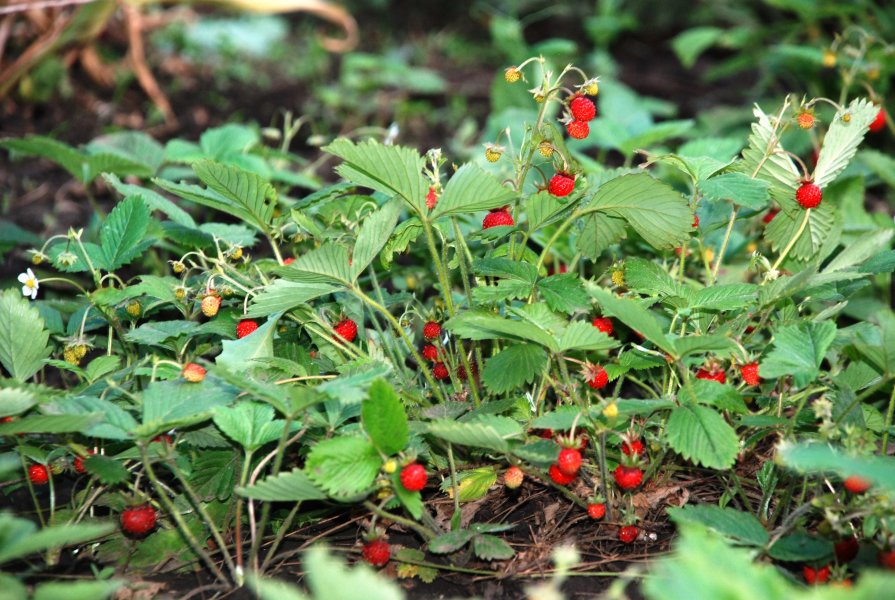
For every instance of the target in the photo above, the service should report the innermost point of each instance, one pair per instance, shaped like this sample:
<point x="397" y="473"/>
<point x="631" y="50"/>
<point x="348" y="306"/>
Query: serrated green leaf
<point x="374" y="233"/>
<point x="738" y="188"/>
<point x="153" y="199"/>
<point x="327" y="264"/>
<point x="582" y="335"/>
<point x="842" y="139"/>
<point x="23" y="336"/>
<point x="472" y="484"/>
<point x="646" y="277"/>
<point x="598" y="232"/>
<point x="343" y="466"/>
<point x="77" y="590"/>
<point x="513" y="366"/>
<point x="240" y="188"/>
<point x="821" y="458"/>
<point x="108" y="470"/>
<point x="155" y="333"/>
<point x="19" y="538"/>
<point x="123" y="231"/>
<point x="249" y="424"/>
<point x="541" y="453"/>
<point x="506" y="289"/>
<point x="720" y="395"/>
<point x="238" y="355"/>
<point x="543" y="208"/>
<point x="405" y="234"/>
<point x="449" y="542"/>
<point x="762" y="158"/>
<point x="475" y="325"/>
<point x="718" y="344"/>
<point x="688" y="45"/>
<point x="701" y="435"/>
<point x="283" y="295"/>
<point x="801" y="547"/>
<point x="859" y="251"/>
<point x="50" y="424"/>
<point x="392" y="170"/>
<point x="286" y="486"/>
<point x="798" y="351"/>
<point x="731" y="523"/>
<point x="490" y="547"/>
<point x="488" y="431"/>
<point x="70" y="159"/>
<point x="563" y="293"/>
<point x="168" y="404"/>
<point x="470" y="190"/>
<point x="732" y="296"/>
<point x="214" y="472"/>
<point x="384" y="418"/>
<point x="14" y="402"/>
<point x="633" y="315"/>
<point x="786" y="224"/>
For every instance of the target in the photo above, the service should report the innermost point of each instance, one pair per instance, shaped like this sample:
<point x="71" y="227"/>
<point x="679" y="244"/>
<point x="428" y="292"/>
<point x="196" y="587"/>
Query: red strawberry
<point x="627" y="534"/>
<point x="78" y="463"/>
<point x="561" y="184"/>
<point x="857" y="485"/>
<point x="770" y="215"/>
<point x="498" y="218"/>
<point x="431" y="198"/>
<point x="816" y="576"/>
<point x="596" y="510"/>
<point x="809" y="195"/>
<point x="513" y="477"/>
<point x="559" y="477"/>
<point x="879" y="122"/>
<point x="628" y="478"/>
<point x="440" y="371"/>
<point x="377" y="552"/>
<point x="430" y="352"/>
<point x="695" y="220"/>
<point x="578" y="129"/>
<point x="569" y="461"/>
<point x="718" y="375"/>
<point x="289" y="260"/>
<point x="846" y="549"/>
<point x="887" y="559"/>
<point x="461" y="371"/>
<point x="600" y="378"/>
<point x="604" y="324"/>
<point x="431" y="330"/>
<point x="138" y="520"/>
<point x="210" y="305"/>
<point x="245" y="327"/>
<point x="583" y="109"/>
<point x="413" y="477"/>
<point x="193" y="373"/>
<point x="346" y="329"/>
<point x="38" y="474"/>
<point x="163" y="438"/>
<point x="546" y="434"/>
<point x="749" y="372"/>
<point x="634" y="447"/>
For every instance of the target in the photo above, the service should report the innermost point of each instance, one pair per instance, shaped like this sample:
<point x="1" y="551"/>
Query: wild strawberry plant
<point x="424" y="328"/>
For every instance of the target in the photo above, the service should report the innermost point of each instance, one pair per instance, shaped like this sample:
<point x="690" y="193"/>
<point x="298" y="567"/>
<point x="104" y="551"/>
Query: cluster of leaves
<point x="293" y="418"/>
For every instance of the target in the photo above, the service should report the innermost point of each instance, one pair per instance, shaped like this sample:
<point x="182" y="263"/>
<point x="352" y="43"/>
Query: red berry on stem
<point x="583" y="109"/>
<point x="569" y="461"/>
<point x="879" y="122"/>
<point x="513" y="477"/>
<point x="561" y="184"/>
<point x="604" y="324"/>
<point x="857" y="485"/>
<point x="377" y="552"/>
<point x="440" y="371"/>
<point x="596" y="510"/>
<point x="245" y="327"/>
<point x="809" y="196"/>
<point x="815" y="576"/>
<point x="628" y="478"/>
<point x="627" y="534"/>
<point x="578" y="129"/>
<point x="193" y="373"/>
<point x="289" y="260"/>
<point x="559" y="477"/>
<point x="138" y="520"/>
<point x="413" y="477"/>
<point x="430" y="352"/>
<point x="210" y="305"/>
<point x="38" y="474"/>
<point x="770" y="215"/>
<point x="634" y="447"/>
<point x="600" y="378"/>
<point x="498" y="218"/>
<point x="431" y="330"/>
<point x="346" y="329"/>
<point x="749" y="372"/>
<point x="718" y="375"/>
<point x="695" y="220"/>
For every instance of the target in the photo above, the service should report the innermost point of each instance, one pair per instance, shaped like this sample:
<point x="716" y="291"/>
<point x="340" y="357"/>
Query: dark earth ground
<point x="42" y="198"/>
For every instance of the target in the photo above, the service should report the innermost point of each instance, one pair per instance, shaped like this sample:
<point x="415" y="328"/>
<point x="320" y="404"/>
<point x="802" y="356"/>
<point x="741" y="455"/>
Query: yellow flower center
<point x="31" y="283"/>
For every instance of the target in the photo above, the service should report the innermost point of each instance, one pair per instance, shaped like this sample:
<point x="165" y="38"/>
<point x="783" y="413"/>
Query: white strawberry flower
<point x="30" y="284"/>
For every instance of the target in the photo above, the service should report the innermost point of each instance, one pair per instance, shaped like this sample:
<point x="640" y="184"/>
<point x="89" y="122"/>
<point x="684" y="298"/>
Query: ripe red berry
<point x="857" y="485"/>
<point x="749" y="372"/>
<point x="600" y="378"/>
<point x="289" y="260"/>
<point x="346" y="329"/>
<point x="546" y="434"/>
<point x="559" y="477"/>
<point x="846" y="549"/>
<point x="770" y="215"/>
<point x="695" y="220"/>
<point x="210" y="305"/>
<point x="886" y="559"/>
<point x="561" y="184"/>
<point x="569" y="461"/>
<point x="816" y="576"/>
<point x="431" y="198"/>
<point x="879" y="122"/>
<point x="583" y="109"/>
<point x="634" y="447"/>
<point x="604" y="324"/>
<point x="245" y="327"/>
<point x="627" y="534"/>
<point x="498" y="218"/>
<point x="138" y="520"/>
<point x="78" y="463"/>
<point x="193" y="373"/>
<point x="628" y="478"/>
<point x="413" y="477"/>
<point x="596" y="511"/>
<point x="513" y="477"/>
<point x="431" y="330"/>
<point x="440" y="371"/>
<point x="578" y="129"/>
<point x="718" y="375"/>
<point x="38" y="474"/>
<point x="430" y="352"/>
<point x="377" y="552"/>
<point x="809" y="195"/>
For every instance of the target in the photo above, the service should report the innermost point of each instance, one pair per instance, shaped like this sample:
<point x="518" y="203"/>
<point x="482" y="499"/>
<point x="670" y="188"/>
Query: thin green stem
<point x="723" y="248"/>
<point x="455" y="489"/>
<point x="440" y="268"/>
<point x="281" y="534"/>
<point x="888" y="425"/>
<point x="425" y="532"/>
<point x="792" y="242"/>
